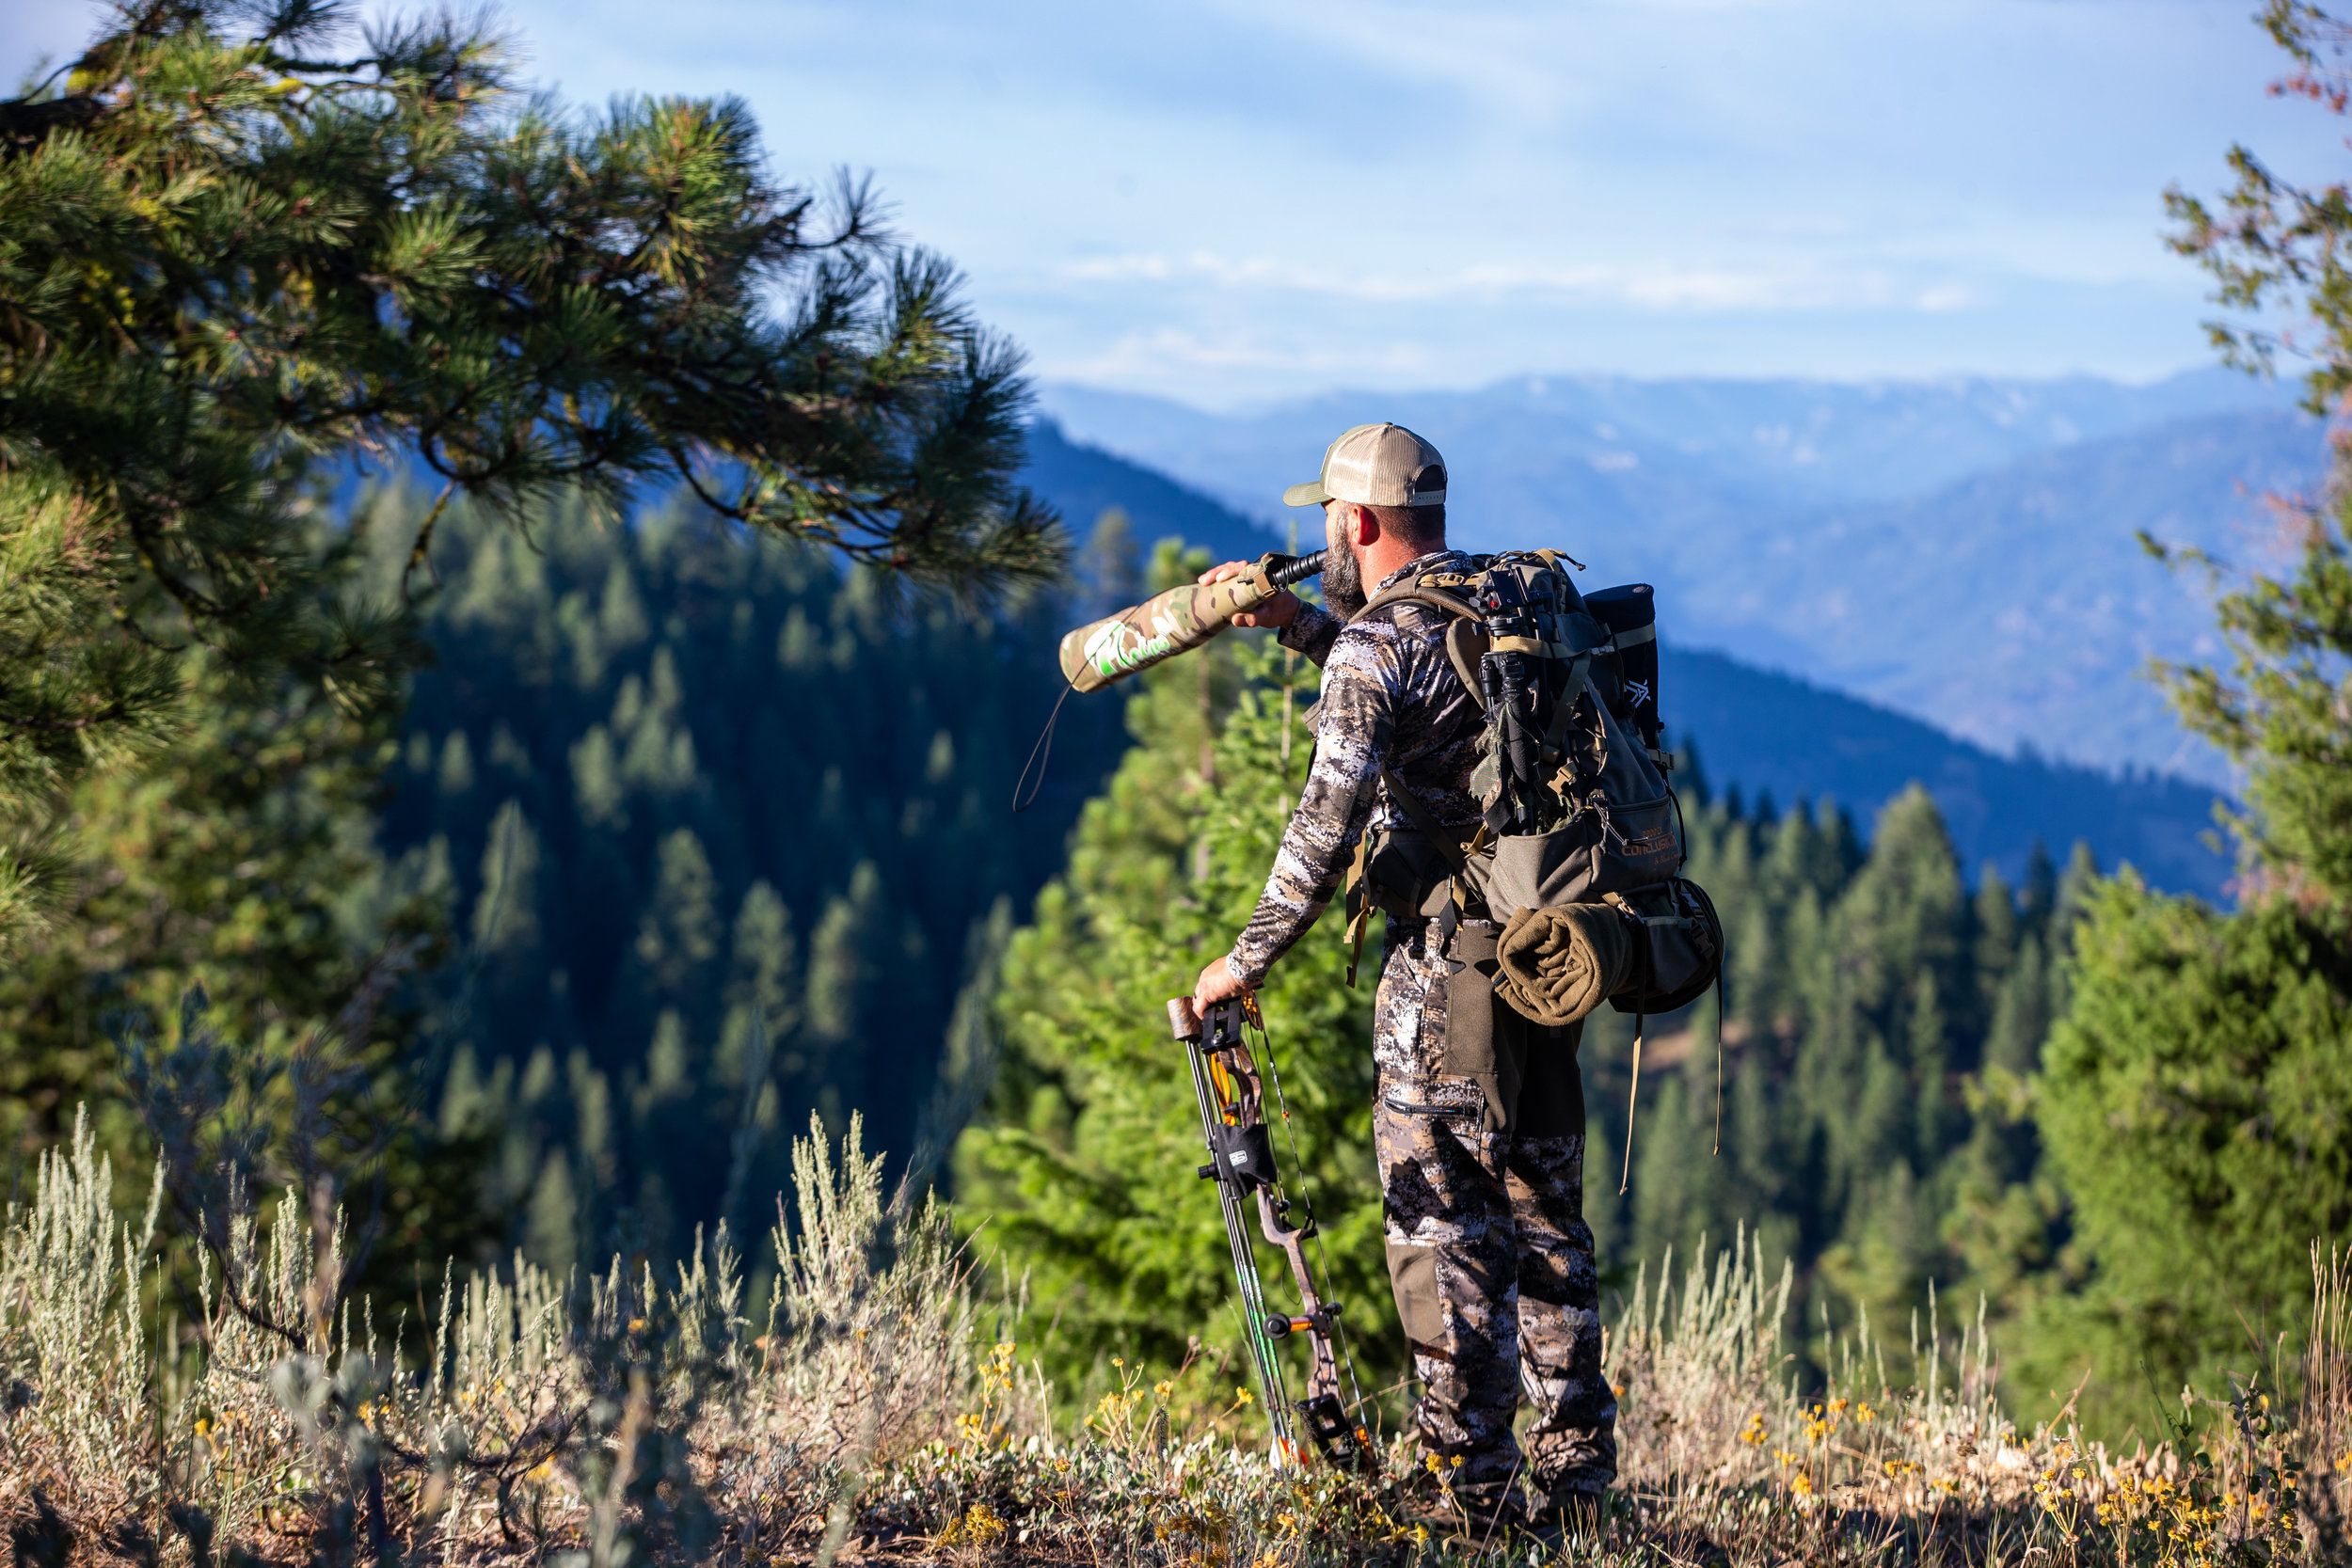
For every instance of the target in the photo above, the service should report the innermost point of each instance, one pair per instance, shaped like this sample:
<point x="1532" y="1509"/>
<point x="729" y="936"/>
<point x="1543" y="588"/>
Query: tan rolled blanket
<point x="1557" y="964"/>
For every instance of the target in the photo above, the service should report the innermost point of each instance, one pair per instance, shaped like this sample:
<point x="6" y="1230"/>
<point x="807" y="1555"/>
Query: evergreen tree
<point x="762" y="991"/>
<point x="687" y="808"/>
<point x="1111" y="565"/>
<point x="2196" y="1095"/>
<point x="1082" y="1167"/>
<point x="550" y="1236"/>
<point x="677" y="936"/>
<point x="506" y="913"/>
<point x="241" y="867"/>
<point x="238" y="244"/>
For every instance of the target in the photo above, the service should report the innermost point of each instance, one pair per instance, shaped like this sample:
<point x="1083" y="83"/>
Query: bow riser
<point x="1230" y="1095"/>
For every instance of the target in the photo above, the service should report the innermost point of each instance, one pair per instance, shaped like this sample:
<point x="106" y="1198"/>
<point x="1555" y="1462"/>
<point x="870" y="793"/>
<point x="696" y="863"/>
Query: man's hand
<point x="1217" y="984"/>
<point x="1276" y="614"/>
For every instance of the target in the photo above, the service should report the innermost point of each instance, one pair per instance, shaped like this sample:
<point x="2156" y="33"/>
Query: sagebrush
<point x="880" y="1409"/>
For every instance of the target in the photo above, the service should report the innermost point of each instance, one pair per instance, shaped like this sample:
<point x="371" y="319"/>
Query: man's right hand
<point x="1276" y="614"/>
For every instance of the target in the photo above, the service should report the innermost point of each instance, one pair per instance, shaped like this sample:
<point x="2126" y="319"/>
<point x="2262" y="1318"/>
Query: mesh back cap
<point x="1375" y="465"/>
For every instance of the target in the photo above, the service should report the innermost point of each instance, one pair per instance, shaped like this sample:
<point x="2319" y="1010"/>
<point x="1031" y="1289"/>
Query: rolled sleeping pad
<point x="1166" y="625"/>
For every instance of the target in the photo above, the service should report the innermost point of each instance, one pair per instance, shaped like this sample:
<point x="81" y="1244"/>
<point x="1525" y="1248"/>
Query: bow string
<point x="1230" y="1089"/>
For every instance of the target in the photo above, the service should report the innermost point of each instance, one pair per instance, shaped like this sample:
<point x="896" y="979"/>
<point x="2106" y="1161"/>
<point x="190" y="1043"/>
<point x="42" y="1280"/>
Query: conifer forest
<point x="556" y="1005"/>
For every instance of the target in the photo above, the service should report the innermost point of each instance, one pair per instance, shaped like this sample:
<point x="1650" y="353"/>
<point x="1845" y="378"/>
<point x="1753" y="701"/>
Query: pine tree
<point x="2193" y="1100"/>
<point x="598" y="795"/>
<point x="1111" y="565"/>
<point x="240" y="243"/>
<point x="1994" y="917"/>
<point x="241" y="863"/>
<point x="1081" y="1169"/>
<point x="455" y="776"/>
<point x="763" y="979"/>
<point x="549" y="1231"/>
<point x="464" y="1104"/>
<point x="506" y="913"/>
<point x="2196" y="1096"/>
<point x="677" y="936"/>
<point x="845" y="968"/>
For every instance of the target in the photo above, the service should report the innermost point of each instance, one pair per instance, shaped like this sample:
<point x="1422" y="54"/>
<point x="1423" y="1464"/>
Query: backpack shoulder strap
<point x="1465" y="637"/>
<point x="1418" y="591"/>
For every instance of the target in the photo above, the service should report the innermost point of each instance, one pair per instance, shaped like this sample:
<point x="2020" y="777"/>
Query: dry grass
<point x="865" y="1418"/>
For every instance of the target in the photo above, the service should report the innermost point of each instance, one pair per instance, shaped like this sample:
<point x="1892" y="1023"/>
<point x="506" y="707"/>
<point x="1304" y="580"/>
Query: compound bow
<point x="1226" y="1081"/>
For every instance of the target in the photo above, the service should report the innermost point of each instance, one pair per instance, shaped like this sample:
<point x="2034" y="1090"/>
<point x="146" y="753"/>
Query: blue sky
<point x="1233" y="203"/>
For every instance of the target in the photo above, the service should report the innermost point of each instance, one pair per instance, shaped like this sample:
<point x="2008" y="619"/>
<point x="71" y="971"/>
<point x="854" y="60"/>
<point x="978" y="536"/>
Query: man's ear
<point x="1357" y="525"/>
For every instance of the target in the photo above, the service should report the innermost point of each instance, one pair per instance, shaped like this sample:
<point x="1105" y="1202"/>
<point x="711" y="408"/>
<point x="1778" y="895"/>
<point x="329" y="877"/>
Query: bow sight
<point x="1231" y="1096"/>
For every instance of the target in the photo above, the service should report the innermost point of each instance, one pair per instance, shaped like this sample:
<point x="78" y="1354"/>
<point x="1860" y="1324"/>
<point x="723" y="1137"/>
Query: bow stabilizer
<point x="1231" y="1095"/>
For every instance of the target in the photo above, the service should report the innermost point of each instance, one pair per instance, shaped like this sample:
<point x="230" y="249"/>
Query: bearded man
<point x="1479" y="1128"/>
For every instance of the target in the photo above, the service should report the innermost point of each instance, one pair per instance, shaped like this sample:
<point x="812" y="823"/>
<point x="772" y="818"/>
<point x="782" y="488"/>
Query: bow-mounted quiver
<point x="1232" y="1094"/>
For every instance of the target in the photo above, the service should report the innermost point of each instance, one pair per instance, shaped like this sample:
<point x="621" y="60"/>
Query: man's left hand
<point x="1217" y="984"/>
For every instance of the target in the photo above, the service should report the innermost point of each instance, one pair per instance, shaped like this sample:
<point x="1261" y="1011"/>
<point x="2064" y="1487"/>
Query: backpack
<point x="1579" y="849"/>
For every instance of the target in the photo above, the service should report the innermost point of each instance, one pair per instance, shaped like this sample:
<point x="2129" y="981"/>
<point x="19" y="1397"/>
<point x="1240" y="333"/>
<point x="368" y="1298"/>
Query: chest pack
<point x="1578" y="851"/>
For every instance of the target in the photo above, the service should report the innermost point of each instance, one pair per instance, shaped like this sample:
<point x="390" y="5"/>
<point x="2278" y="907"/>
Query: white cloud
<point x="1658" y="287"/>
<point x="1137" y="358"/>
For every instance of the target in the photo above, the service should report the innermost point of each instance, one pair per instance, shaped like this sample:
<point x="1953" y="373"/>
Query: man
<point x="1479" y="1130"/>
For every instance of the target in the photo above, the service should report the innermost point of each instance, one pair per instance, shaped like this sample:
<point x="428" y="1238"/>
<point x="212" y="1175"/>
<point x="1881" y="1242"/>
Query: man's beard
<point x="1342" y="583"/>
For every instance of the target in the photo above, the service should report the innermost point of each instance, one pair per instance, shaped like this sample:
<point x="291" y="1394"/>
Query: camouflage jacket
<point x="1391" y="699"/>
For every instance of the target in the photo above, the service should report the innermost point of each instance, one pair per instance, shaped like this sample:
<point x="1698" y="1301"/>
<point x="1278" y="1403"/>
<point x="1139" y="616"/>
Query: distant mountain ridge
<point x="1762" y="731"/>
<point x="2026" y="605"/>
<point x="1811" y="440"/>
<point x="1084" y="482"/>
<point x="1792" y="523"/>
<point x="1765" y="731"/>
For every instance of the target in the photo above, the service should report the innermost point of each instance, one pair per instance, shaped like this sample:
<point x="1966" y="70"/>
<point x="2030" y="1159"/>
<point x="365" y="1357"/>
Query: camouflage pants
<point x="1480" y="1135"/>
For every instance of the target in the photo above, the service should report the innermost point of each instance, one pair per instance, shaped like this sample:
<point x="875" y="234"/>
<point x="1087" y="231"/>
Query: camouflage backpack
<point x="1579" y="850"/>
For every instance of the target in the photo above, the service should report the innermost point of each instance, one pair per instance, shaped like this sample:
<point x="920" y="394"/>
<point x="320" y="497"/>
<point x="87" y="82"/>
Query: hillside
<point x="2028" y="611"/>
<point x="1791" y="521"/>
<point x="1083" y="481"/>
<point x="1766" y="730"/>
<point x="1804" y="439"/>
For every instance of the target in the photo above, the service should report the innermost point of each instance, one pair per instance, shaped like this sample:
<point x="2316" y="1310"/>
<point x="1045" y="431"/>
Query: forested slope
<point x="1763" y="730"/>
<point x="722" y="832"/>
<point x="719" y="825"/>
<point x="1882" y="1008"/>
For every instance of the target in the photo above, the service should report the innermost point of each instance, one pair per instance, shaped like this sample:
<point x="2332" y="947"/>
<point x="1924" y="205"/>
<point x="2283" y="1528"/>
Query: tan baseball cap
<point x="1375" y="465"/>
